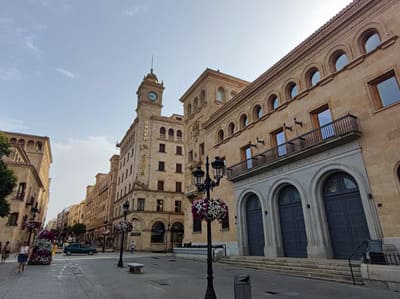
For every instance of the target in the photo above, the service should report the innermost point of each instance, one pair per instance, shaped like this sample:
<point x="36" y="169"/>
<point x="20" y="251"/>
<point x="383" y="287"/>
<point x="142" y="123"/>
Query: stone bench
<point x="135" y="267"/>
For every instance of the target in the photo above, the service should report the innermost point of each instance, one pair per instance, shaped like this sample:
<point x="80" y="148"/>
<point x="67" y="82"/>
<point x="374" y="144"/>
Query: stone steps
<point x="332" y="270"/>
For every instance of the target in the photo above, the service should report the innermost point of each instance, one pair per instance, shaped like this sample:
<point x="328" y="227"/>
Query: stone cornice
<point x="336" y="23"/>
<point x="167" y="119"/>
<point x="210" y="72"/>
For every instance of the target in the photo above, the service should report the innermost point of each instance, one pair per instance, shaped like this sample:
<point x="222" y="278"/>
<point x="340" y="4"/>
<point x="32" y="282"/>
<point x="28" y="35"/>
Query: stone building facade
<point x="98" y="205"/>
<point x="211" y="91"/>
<point x="150" y="174"/>
<point x="311" y="145"/>
<point x="30" y="161"/>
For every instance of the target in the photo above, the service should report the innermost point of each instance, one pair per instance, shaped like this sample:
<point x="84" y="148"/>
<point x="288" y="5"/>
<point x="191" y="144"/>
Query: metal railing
<point x="392" y="258"/>
<point x="364" y="243"/>
<point x="331" y="131"/>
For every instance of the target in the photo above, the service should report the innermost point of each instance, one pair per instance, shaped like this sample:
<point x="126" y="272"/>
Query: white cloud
<point x="67" y="73"/>
<point x="12" y="124"/>
<point x="75" y="165"/>
<point x="28" y="41"/>
<point x="139" y="9"/>
<point x="10" y="74"/>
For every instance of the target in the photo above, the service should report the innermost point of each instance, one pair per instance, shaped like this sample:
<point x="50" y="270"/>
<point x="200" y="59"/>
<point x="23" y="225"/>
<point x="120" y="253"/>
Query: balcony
<point x="191" y="191"/>
<point x="330" y="135"/>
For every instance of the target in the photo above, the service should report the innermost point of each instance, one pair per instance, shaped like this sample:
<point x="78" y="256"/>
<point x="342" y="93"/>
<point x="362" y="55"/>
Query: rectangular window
<point x="322" y="118"/>
<point x="178" y="186"/>
<point x="225" y="222"/>
<point x="385" y="90"/>
<point x="161" y="166"/>
<point x="21" y="191"/>
<point x="179" y="150"/>
<point x="196" y="224"/>
<point x="130" y="170"/>
<point x="190" y="156"/>
<point x="178" y="206"/>
<point x="201" y="149"/>
<point x="162" y="148"/>
<point x="179" y="168"/>
<point x="140" y="204"/>
<point x="160" y="205"/>
<point x="278" y="140"/>
<point x="12" y="219"/>
<point x="160" y="185"/>
<point x="246" y="156"/>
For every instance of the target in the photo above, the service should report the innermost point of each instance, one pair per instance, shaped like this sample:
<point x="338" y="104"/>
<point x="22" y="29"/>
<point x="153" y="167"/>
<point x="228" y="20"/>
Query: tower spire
<point x="151" y="70"/>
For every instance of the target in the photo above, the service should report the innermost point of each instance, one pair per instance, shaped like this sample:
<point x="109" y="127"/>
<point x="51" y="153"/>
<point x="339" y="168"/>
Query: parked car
<point x="79" y="248"/>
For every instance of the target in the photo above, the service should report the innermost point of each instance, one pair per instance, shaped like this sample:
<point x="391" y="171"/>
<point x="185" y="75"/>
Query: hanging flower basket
<point x="215" y="209"/>
<point x="123" y="226"/>
<point x="31" y="224"/>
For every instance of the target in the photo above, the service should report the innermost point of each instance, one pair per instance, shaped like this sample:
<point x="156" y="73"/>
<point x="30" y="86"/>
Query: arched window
<point x="370" y="41"/>
<point x="291" y="90"/>
<point x="220" y="135"/>
<point x="162" y="132"/>
<point x="273" y="102"/>
<point x="313" y="76"/>
<point x="30" y="145"/>
<point x="189" y="109"/>
<point x="179" y="135"/>
<point x="157" y="232"/>
<point x="202" y="97"/>
<point x="231" y="129"/>
<point x="21" y="142"/>
<point x="398" y="173"/>
<point x="195" y="104"/>
<point x="338" y="60"/>
<point x="170" y="134"/>
<point x="220" y="95"/>
<point x="257" y="112"/>
<point x="243" y="121"/>
<point x="39" y="146"/>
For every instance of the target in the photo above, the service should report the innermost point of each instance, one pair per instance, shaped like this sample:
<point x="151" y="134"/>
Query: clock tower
<point x="149" y="96"/>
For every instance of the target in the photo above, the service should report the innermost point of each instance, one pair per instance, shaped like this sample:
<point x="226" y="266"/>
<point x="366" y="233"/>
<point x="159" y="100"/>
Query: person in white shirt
<point x="23" y="255"/>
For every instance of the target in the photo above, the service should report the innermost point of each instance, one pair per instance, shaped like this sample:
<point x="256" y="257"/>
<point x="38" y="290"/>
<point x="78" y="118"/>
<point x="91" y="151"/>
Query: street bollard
<point x="242" y="287"/>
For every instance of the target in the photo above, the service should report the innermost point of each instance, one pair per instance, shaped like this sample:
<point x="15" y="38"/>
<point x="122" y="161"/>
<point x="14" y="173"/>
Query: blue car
<point x="79" y="248"/>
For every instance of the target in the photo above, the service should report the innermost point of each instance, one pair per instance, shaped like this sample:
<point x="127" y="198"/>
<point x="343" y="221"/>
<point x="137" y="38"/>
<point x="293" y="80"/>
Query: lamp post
<point x="125" y="208"/>
<point x="34" y="210"/>
<point x="105" y="222"/>
<point x="206" y="186"/>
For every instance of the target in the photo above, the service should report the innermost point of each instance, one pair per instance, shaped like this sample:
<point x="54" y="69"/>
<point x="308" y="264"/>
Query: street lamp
<point x="34" y="210"/>
<point x="125" y="208"/>
<point x="205" y="186"/>
<point x="105" y="222"/>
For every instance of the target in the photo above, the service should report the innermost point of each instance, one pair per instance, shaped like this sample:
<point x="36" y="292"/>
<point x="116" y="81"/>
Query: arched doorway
<point x="177" y="234"/>
<point x="255" y="230"/>
<point x="291" y="217"/>
<point x="345" y="215"/>
<point x="157" y="232"/>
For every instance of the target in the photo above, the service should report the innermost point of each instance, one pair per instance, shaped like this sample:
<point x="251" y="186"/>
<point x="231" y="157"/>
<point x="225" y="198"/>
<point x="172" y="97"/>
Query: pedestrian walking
<point x="5" y="252"/>
<point x="133" y="246"/>
<point x="23" y="256"/>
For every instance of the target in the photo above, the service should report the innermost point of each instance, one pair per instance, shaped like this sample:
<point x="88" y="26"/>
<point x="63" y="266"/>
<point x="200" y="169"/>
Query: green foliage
<point x="79" y="229"/>
<point x="8" y="180"/>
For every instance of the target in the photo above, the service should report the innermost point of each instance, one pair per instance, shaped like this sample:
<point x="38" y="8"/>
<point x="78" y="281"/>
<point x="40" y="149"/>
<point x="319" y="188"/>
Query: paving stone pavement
<point x="163" y="277"/>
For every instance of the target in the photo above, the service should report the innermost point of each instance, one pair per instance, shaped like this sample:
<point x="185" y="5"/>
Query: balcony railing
<point x="311" y="141"/>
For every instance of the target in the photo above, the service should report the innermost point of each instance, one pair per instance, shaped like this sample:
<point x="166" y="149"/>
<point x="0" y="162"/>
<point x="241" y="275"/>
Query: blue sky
<point x="69" y="69"/>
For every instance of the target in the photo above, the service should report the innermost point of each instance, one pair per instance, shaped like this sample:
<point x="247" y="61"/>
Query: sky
<point x="69" y="69"/>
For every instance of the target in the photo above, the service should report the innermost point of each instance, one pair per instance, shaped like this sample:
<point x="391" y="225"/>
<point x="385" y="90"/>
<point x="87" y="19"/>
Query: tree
<point x="79" y="229"/>
<point x="8" y="181"/>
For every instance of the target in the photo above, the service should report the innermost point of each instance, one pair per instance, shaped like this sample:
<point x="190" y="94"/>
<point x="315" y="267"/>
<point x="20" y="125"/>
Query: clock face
<point x="152" y="96"/>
